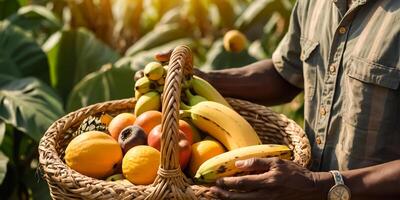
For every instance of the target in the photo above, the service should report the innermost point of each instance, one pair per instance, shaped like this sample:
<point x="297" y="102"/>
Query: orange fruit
<point x="140" y="164"/>
<point x="93" y="153"/>
<point x="202" y="151"/>
<point x="234" y="41"/>
<point x="119" y="122"/>
<point x="148" y="120"/>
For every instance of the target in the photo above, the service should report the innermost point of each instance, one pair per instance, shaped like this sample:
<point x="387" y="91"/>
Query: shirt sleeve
<point x="286" y="57"/>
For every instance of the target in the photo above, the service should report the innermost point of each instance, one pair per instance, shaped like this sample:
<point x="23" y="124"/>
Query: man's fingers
<point x="256" y="164"/>
<point x="248" y="182"/>
<point x="163" y="56"/>
<point x="225" y="194"/>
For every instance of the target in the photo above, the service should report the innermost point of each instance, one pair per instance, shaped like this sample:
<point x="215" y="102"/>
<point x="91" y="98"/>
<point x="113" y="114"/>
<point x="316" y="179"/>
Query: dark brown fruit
<point x="139" y="74"/>
<point x="132" y="136"/>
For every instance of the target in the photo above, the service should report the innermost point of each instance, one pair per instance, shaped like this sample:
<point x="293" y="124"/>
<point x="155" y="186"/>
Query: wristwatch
<point x="339" y="191"/>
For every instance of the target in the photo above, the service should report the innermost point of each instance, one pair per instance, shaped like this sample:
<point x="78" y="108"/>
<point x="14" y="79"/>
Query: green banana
<point x="144" y="85"/>
<point x="153" y="71"/>
<point x="148" y="101"/>
<point x="194" y="99"/>
<point x="206" y="90"/>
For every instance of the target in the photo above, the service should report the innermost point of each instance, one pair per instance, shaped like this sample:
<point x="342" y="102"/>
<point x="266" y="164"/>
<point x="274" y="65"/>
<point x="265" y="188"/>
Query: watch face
<point x="339" y="192"/>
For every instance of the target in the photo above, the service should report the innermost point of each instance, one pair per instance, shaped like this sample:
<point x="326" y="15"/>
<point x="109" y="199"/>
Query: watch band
<point x="339" y="190"/>
<point x="337" y="177"/>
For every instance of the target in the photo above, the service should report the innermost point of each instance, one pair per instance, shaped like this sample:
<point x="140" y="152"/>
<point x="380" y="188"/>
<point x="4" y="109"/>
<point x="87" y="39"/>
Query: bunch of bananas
<point x="207" y="110"/>
<point x="149" y="86"/>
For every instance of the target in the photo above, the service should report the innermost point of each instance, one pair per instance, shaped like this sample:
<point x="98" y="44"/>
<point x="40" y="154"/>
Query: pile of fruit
<point x="126" y="147"/>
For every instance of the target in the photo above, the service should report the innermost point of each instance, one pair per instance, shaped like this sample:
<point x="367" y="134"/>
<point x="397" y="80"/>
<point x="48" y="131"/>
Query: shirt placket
<point x="334" y="63"/>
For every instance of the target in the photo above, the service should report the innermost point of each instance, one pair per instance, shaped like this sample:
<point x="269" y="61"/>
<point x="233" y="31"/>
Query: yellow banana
<point x="223" y="165"/>
<point x="148" y="101"/>
<point x="223" y="123"/>
<point x="206" y="90"/>
<point x="137" y="95"/>
<point x="153" y="71"/>
<point x="144" y="85"/>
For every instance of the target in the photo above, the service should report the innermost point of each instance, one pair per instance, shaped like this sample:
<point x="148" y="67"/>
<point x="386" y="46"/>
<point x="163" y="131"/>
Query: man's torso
<point x="351" y="71"/>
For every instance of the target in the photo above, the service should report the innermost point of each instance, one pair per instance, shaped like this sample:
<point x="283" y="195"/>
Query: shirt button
<point x="318" y="140"/>
<point x="322" y="111"/>
<point x="302" y="56"/>
<point x="332" y="68"/>
<point x="342" y="30"/>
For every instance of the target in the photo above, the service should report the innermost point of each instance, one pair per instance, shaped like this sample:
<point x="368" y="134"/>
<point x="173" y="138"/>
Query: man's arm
<point x="284" y="179"/>
<point x="257" y="82"/>
<point x="375" y="182"/>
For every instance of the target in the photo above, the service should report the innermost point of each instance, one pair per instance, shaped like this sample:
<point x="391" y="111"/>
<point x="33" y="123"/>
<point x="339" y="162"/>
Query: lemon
<point x="140" y="164"/>
<point x="93" y="153"/>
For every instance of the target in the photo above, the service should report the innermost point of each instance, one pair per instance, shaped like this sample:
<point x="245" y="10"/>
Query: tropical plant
<point x="59" y="55"/>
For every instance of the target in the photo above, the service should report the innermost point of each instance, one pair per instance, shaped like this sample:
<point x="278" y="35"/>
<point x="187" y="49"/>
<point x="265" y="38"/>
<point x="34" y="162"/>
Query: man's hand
<point x="278" y="179"/>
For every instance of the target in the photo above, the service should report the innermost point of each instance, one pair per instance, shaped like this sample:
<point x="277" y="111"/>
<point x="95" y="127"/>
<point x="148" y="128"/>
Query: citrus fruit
<point x="234" y="41"/>
<point x="202" y="151"/>
<point x="140" y="164"/>
<point x="148" y="120"/>
<point x="94" y="153"/>
<point x="119" y="122"/>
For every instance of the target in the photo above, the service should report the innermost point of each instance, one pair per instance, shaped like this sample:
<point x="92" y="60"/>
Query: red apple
<point x="154" y="140"/>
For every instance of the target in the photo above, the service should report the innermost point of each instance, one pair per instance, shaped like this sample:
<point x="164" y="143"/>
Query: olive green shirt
<point x="348" y="62"/>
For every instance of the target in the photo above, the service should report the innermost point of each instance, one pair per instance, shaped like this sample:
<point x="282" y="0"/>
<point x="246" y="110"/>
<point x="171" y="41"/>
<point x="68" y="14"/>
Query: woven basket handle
<point x="170" y="178"/>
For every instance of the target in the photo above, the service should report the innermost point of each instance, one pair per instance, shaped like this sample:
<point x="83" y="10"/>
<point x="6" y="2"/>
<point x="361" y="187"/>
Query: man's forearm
<point x="258" y="82"/>
<point x="375" y="182"/>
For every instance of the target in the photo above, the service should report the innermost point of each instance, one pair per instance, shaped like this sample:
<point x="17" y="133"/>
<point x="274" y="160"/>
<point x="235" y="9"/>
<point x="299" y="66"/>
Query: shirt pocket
<point x="371" y="89"/>
<point x="309" y="61"/>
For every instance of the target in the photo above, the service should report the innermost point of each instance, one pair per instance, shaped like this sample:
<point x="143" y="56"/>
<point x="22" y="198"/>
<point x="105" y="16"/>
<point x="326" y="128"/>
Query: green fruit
<point x="144" y="85"/>
<point x="115" y="177"/>
<point x="153" y="71"/>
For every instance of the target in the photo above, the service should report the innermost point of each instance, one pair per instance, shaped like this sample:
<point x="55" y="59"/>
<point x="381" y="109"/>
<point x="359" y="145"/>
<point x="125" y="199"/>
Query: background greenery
<point x="59" y="55"/>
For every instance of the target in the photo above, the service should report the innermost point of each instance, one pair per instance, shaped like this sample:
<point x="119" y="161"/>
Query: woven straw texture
<point x="171" y="183"/>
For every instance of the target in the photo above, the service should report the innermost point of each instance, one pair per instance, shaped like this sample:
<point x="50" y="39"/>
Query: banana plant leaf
<point x="158" y="36"/>
<point x="3" y="158"/>
<point x="140" y="59"/>
<point x="21" y="56"/>
<point x="72" y="55"/>
<point x="219" y="58"/>
<point x="8" y="7"/>
<point x="38" y="21"/>
<point x="106" y="84"/>
<point x="252" y="20"/>
<point x="29" y="105"/>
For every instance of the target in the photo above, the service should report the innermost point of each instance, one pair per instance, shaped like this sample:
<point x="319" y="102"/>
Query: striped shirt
<point x="347" y="60"/>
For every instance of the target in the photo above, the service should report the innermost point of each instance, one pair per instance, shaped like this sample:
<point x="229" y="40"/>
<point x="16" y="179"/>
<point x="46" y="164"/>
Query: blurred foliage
<point x="59" y="55"/>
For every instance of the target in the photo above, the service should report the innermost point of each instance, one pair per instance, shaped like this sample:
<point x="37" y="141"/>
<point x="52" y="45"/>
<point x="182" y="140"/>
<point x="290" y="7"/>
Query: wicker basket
<point x="171" y="183"/>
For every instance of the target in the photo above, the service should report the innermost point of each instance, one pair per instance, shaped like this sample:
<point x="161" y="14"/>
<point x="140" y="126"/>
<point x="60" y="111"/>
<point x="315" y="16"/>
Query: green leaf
<point x="219" y="58"/>
<point x="140" y="59"/>
<point x="21" y="56"/>
<point x="29" y="105"/>
<point x="72" y="55"/>
<point x="2" y="130"/>
<point x="257" y="14"/>
<point x="3" y="166"/>
<point x="106" y="84"/>
<point x="39" y="21"/>
<point x="35" y="183"/>
<point x="8" y="7"/>
<point x="158" y="36"/>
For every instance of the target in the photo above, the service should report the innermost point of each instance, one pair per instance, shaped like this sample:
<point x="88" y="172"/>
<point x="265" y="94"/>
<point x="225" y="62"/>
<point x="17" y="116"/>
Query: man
<point x="346" y="57"/>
